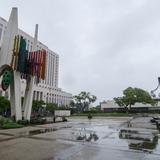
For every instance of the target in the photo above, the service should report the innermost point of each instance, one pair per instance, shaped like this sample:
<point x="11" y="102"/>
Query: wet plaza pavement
<point x="83" y="139"/>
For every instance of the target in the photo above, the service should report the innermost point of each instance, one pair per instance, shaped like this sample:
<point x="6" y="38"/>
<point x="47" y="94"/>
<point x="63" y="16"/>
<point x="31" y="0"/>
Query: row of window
<point x="52" y="65"/>
<point x="37" y="95"/>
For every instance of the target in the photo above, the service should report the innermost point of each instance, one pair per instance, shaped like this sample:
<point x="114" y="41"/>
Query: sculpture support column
<point x="27" y="106"/>
<point x="16" y="97"/>
<point x="28" y="99"/>
<point x="5" y="58"/>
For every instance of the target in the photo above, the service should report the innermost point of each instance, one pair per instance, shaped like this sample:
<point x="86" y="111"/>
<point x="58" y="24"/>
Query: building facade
<point x="46" y="90"/>
<point x="111" y="106"/>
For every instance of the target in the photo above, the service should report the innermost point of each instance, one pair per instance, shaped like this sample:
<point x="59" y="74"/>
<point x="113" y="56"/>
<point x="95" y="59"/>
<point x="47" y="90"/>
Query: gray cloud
<point x="104" y="45"/>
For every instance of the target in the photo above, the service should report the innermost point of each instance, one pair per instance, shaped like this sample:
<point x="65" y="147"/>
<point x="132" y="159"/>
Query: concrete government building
<point x="47" y="90"/>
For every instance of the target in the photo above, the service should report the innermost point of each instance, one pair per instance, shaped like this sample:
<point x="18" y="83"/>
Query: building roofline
<point x="19" y="29"/>
<point x="3" y="19"/>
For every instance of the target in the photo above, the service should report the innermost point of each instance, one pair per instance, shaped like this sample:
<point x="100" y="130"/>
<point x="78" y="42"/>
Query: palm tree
<point x="83" y="100"/>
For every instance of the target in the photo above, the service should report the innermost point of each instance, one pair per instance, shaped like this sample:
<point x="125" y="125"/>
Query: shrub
<point x="4" y="120"/>
<point x="6" y="123"/>
<point x="23" y="122"/>
<point x="38" y="120"/>
<point x="1" y="121"/>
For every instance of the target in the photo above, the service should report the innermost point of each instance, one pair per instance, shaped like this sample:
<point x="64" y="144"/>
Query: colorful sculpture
<point x="27" y="63"/>
<point x="20" y="64"/>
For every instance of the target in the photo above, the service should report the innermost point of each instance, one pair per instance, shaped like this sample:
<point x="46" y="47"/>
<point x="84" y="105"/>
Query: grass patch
<point x="114" y="114"/>
<point x="11" y="125"/>
<point x="7" y="123"/>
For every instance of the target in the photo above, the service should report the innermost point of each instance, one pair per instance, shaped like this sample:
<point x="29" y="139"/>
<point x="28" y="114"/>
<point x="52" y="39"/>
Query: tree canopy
<point x="134" y="95"/>
<point x="83" y="100"/>
<point x="37" y="105"/>
<point x="51" y="107"/>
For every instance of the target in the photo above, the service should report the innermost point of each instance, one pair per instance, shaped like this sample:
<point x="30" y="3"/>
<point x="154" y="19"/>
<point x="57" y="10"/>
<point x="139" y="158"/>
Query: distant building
<point x="110" y="106"/>
<point x="47" y="90"/>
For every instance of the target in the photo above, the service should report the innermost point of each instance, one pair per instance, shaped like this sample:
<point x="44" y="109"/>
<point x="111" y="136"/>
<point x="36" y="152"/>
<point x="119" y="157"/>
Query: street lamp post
<point x="154" y="90"/>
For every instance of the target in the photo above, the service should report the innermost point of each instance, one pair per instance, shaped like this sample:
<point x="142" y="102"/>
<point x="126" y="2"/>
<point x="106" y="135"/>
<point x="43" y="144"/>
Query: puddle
<point x="137" y="140"/>
<point x="145" y="140"/>
<point x="104" y="134"/>
<point x="36" y="132"/>
<point x="89" y="138"/>
<point x="41" y="131"/>
<point x="144" y="146"/>
<point x="92" y="133"/>
<point x="84" y="134"/>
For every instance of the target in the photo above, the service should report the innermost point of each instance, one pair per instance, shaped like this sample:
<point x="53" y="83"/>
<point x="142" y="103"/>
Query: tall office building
<point x="47" y="90"/>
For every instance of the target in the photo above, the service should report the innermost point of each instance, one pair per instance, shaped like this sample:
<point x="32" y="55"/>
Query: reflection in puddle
<point x="145" y="145"/>
<point x="143" y="141"/>
<point x="86" y="135"/>
<point x="35" y="132"/>
<point x="40" y="131"/>
<point x="89" y="138"/>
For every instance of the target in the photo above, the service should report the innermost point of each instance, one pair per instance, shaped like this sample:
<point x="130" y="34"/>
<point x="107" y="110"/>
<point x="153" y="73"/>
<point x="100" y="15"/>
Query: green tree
<point x="132" y="96"/>
<point x="98" y="107"/>
<point x="37" y="105"/>
<point x="83" y="100"/>
<point x="72" y="104"/>
<point x="51" y="107"/>
<point x="4" y="105"/>
<point x="119" y="101"/>
<point x="63" y="107"/>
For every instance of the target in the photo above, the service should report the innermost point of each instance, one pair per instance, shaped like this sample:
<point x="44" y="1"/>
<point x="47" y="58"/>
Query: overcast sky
<point x="104" y="46"/>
